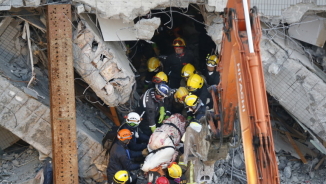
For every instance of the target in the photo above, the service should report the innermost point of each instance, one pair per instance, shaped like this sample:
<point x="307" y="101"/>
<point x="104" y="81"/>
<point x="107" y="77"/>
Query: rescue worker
<point x="196" y="85"/>
<point x="175" y="174"/>
<point x="160" y="77"/>
<point x="151" y="103"/>
<point x="176" y="61"/>
<point x="175" y="102"/>
<point x="121" y="177"/>
<point x="139" y="140"/>
<point x="120" y="156"/>
<point x="212" y="76"/>
<point x="186" y="71"/>
<point x="154" y="65"/>
<point x="196" y="111"/>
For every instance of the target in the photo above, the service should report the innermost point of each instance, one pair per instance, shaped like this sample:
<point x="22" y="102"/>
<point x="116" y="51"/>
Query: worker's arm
<point x="151" y="116"/>
<point x="133" y="145"/>
<point x="135" y="154"/>
<point x="126" y="162"/>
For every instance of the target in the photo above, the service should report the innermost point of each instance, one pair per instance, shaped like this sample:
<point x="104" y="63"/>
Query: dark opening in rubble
<point x="188" y="25"/>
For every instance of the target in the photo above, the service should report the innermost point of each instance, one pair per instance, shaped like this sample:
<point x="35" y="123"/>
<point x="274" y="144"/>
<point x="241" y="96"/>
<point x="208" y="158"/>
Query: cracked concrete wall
<point x="30" y="120"/>
<point x="129" y="10"/>
<point x="295" y="12"/>
<point x="297" y="88"/>
<point x="104" y="67"/>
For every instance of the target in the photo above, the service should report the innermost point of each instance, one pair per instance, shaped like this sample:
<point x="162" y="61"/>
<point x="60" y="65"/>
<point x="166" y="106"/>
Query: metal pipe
<point x="248" y="26"/>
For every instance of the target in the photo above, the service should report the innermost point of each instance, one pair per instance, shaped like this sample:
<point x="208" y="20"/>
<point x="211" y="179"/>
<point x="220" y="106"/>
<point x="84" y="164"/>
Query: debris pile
<point x="20" y="164"/>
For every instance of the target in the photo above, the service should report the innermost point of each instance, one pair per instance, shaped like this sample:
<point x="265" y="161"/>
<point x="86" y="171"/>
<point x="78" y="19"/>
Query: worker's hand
<point x="153" y="128"/>
<point x="212" y="87"/>
<point x="189" y="118"/>
<point x="150" y="177"/>
<point x="145" y="152"/>
<point x="166" y="117"/>
<point x="162" y="114"/>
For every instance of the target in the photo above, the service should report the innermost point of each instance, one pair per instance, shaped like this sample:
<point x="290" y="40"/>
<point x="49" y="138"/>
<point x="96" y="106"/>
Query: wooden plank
<point x="115" y="116"/>
<point x="319" y="163"/>
<point x="62" y="94"/>
<point x="303" y="159"/>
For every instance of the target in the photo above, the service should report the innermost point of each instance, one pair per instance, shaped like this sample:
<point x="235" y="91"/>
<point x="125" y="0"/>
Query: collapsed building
<point x="105" y="39"/>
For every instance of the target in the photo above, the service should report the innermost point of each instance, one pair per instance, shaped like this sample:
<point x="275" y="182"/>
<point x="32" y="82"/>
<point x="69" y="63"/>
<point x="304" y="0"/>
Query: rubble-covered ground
<point x="21" y="162"/>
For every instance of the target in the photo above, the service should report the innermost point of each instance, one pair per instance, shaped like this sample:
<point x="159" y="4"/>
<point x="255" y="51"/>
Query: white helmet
<point x="133" y="119"/>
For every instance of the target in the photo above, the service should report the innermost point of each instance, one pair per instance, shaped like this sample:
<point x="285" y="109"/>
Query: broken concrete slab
<point x="105" y="67"/>
<point x="129" y="10"/>
<point x="311" y="29"/>
<point x="7" y="138"/>
<point x="29" y="119"/>
<point x="116" y="30"/>
<point x="145" y="28"/>
<point x="295" y="12"/>
<point x="297" y="88"/>
<point x="4" y="24"/>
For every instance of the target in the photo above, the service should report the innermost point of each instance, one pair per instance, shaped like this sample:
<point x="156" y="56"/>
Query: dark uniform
<point x="149" y="77"/>
<point x="173" y="66"/>
<point x="199" y="113"/>
<point x="203" y="94"/>
<point x="148" y="104"/>
<point x="172" y="106"/>
<point x="212" y="78"/>
<point x="120" y="159"/>
<point x="139" y="140"/>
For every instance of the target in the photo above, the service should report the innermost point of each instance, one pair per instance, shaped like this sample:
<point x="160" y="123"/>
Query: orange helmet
<point x="124" y="134"/>
<point x="179" y="42"/>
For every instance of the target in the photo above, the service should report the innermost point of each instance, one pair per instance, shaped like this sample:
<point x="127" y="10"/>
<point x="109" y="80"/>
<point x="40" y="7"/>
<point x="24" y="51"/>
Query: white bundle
<point x="164" y="139"/>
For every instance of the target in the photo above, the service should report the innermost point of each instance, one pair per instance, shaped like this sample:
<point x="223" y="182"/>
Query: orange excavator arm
<point x="242" y="91"/>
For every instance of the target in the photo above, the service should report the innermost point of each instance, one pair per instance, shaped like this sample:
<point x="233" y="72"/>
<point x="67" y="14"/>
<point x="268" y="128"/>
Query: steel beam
<point x="62" y="94"/>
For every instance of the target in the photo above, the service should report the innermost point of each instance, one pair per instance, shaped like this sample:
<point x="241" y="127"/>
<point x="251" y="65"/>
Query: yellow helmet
<point x="160" y="77"/>
<point x="179" y="42"/>
<point x="153" y="63"/>
<point x="195" y="82"/>
<point x="175" y="170"/>
<point x="121" y="176"/>
<point x="211" y="60"/>
<point x="180" y="94"/>
<point x="187" y="70"/>
<point x="191" y="100"/>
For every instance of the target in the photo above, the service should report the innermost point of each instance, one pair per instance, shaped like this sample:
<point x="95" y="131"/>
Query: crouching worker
<point x="120" y="156"/>
<point x="139" y="140"/>
<point x="196" y="110"/>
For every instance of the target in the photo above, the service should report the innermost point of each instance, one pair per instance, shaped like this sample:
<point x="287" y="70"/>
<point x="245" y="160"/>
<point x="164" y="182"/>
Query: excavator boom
<point x="242" y="91"/>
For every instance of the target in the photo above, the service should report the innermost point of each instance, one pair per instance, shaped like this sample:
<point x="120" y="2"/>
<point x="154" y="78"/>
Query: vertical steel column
<point x="62" y="94"/>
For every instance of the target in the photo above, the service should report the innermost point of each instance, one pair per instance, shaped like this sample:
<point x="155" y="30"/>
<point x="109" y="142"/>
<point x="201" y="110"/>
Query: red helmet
<point x="162" y="180"/>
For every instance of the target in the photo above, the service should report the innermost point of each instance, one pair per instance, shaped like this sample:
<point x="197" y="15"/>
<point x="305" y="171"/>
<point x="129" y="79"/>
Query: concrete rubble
<point x="103" y="62"/>
<point x="291" y="74"/>
<point x="30" y="120"/>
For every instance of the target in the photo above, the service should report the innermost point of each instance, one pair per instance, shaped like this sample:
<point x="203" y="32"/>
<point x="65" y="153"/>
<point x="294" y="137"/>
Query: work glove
<point x="189" y="118"/>
<point x="153" y="128"/>
<point x="150" y="177"/>
<point x="145" y="152"/>
<point x="162" y="114"/>
<point x="166" y="117"/>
